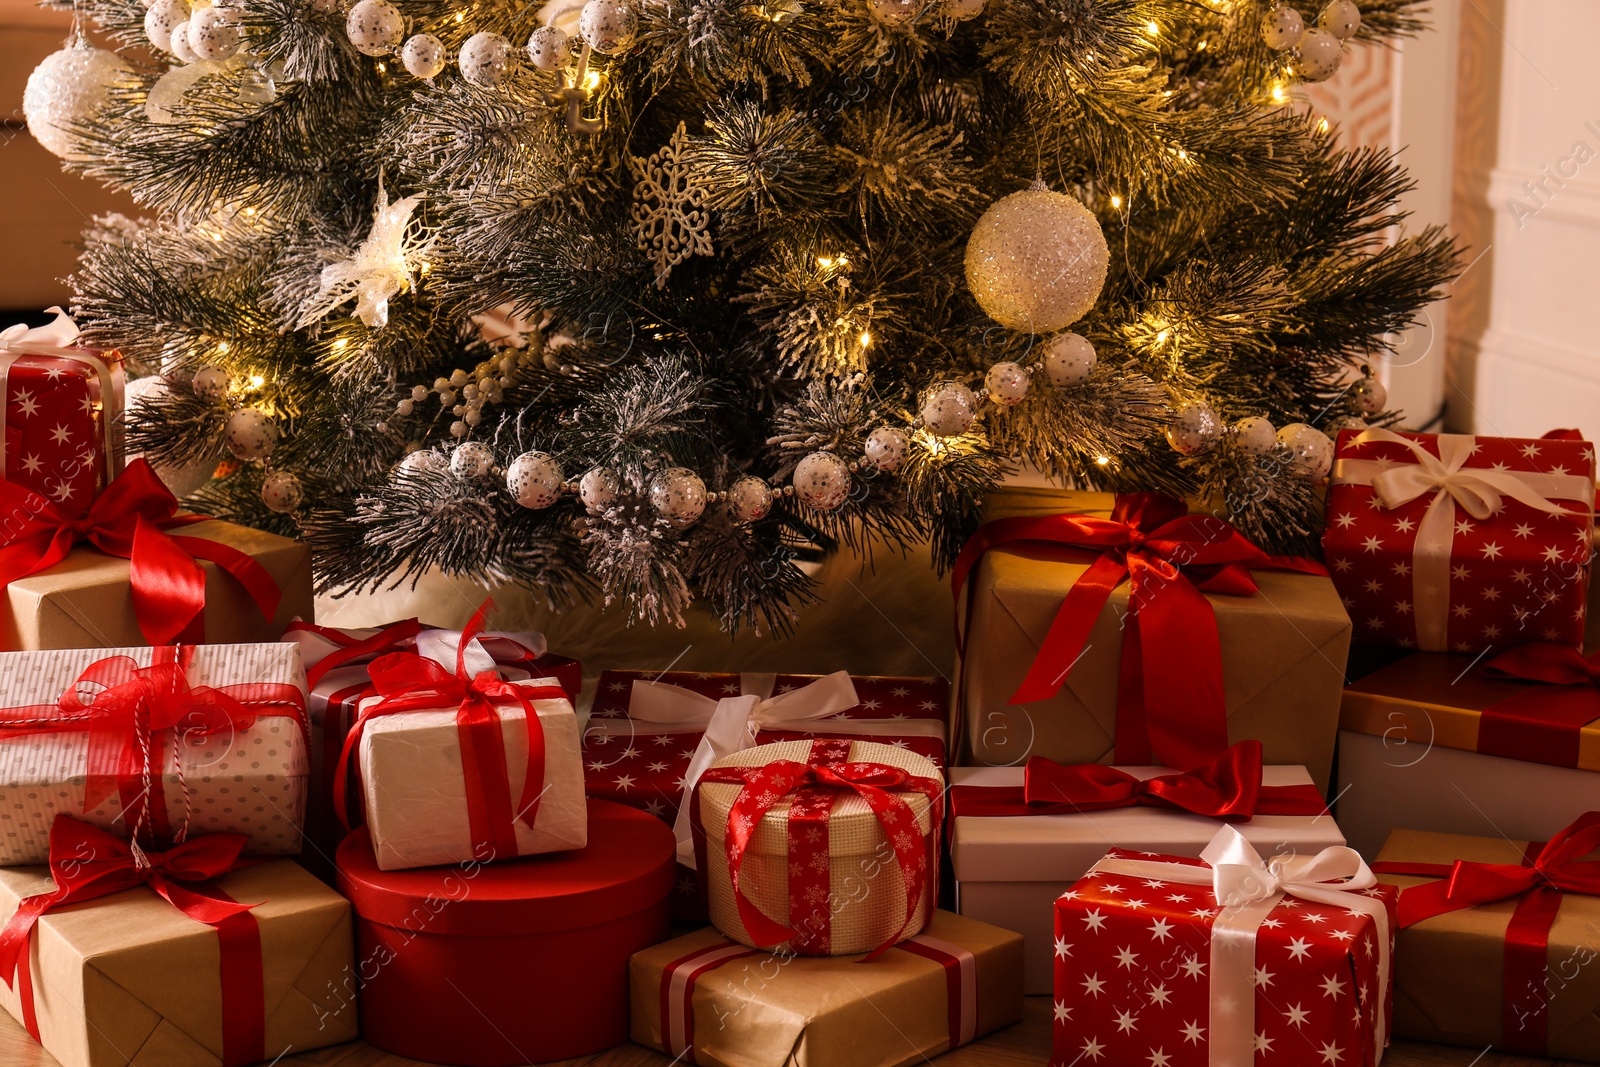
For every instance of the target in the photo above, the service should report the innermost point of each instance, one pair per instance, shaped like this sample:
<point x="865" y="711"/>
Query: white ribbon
<point x="732" y="723"/>
<point x="56" y="339"/>
<point x="1247" y="889"/>
<point x="1477" y="491"/>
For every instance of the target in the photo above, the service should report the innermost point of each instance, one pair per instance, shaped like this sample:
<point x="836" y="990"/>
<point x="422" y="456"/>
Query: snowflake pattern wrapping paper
<point x="1135" y="983"/>
<point x="669" y="213"/>
<point x="1450" y="543"/>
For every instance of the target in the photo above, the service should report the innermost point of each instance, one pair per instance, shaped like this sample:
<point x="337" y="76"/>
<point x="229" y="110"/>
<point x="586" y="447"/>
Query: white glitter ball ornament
<point x="375" y="27"/>
<point x="1310" y="451"/>
<point x="281" y="492"/>
<point x="962" y="10"/>
<point x="750" y="499"/>
<point x="211" y="383"/>
<point x="896" y="11"/>
<point x="598" y="488"/>
<point x="251" y="434"/>
<point x="1194" y="428"/>
<point x="678" y="495"/>
<point x="608" y="25"/>
<point x="214" y="34"/>
<point x="886" y="448"/>
<point x="1342" y="18"/>
<point x="1006" y="384"/>
<point x="822" y="481"/>
<point x="1370" y="396"/>
<point x="159" y="20"/>
<point x="70" y="86"/>
<point x="534" y="479"/>
<point x="1036" y="260"/>
<point x="550" y="48"/>
<point x="179" y="43"/>
<point x="1069" y="359"/>
<point x="1255" y="435"/>
<point x="472" y="459"/>
<point x="1282" y="28"/>
<point x="949" y="409"/>
<point x="424" y="461"/>
<point x="423" y="55"/>
<point x="485" y="60"/>
<point x="1320" y="54"/>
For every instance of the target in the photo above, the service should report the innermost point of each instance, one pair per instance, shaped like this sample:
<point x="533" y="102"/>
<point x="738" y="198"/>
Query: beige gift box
<point x="250" y="780"/>
<point x="130" y="979"/>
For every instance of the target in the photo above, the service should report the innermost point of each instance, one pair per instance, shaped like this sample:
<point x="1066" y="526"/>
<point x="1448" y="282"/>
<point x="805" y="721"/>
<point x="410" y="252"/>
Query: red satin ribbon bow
<point x="129" y="520"/>
<point x="1546" y="662"/>
<point x="395" y="637"/>
<point x="815" y="786"/>
<point x="1547" y="871"/>
<point x="1170" y="705"/>
<point x="1229" y="787"/>
<point x="406" y="681"/>
<point x="87" y="863"/>
<point x="1541" y="725"/>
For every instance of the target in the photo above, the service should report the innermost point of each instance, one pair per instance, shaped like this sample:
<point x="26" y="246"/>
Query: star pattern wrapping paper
<point x="1520" y="575"/>
<point x="1133" y="976"/>
<point x="54" y="433"/>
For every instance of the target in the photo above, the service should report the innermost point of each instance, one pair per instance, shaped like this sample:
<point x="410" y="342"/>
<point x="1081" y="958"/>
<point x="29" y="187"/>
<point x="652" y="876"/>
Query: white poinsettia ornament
<point x="384" y="266"/>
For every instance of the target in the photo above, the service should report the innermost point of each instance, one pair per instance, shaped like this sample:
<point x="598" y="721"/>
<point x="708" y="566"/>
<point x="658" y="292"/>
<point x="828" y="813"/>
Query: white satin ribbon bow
<point x="732" y="723"/>
<point x="1247" y="888"/>
<point x="1479" y="492"/>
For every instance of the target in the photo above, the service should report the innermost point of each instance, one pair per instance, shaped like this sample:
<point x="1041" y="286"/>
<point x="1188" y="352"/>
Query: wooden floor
<point x="1025" y="1045"/>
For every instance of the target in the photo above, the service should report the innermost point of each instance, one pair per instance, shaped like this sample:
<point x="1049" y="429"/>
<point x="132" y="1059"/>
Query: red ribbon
<point x="406" y="681"/>
<point x="1170" y="705"/>
<point x="815" y="785"/>
<point x="129" y="520"/>
<point x="1540" y="725"/>
<point x="1229" y="787"/>
<point x="87" y="863"/>
<point x="131" y="714"/>
<point x="395" y="637"/>
<point x="1546" y="871"/>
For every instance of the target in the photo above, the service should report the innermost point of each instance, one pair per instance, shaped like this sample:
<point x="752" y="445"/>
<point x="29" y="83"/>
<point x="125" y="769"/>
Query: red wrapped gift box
<point x="1451" y="543"/>
<point x="1152" y="968"/>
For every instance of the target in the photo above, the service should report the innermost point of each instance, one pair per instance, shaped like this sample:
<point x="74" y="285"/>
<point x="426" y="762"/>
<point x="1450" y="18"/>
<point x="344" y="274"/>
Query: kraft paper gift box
<point x="130" y="979"/>
<point x="717" y="1003"/>
<point x="240" y="768"/>
<point x="1520" y="973"/>
<point x="1283" y="654"/>
<point x="1011" y="860"/>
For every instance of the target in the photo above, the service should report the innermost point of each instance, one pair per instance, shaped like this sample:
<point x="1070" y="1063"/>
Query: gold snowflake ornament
<point x="669" y="213"/>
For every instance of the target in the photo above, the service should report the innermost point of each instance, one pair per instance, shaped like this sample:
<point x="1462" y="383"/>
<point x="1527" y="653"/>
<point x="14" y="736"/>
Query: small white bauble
<point x="179" y="42"/>
<point x="1069" y="359"/>
<point x="886" y="448"/>
<point x="896" y="10"/>
<point x="375" y="27"/>
<point x="822" y="481"/>
<point x="750" y="499"/>
<point x="485" y="60"/>
<point x="211" y="383"/>
<point x="608" y="25"/>
<point x="1370" y="396"/>
<point x="1310" y="451"/>
<point x="424" y="461"/>
<point x="1342" y="18"/>
<point x="549" y="48"/>
<point x="1036" y="260"/>
<point x="214" y="34"/>
<point x="176" y="373"/>
<point x="159" y="20"/>
<point x="281" y="492"/>
<point x="1347" y="422"/>
<point x="1255" y="435"/>
<point x="678" y="495"/>
<point x="68" y="87"/>
<point x="1320" y="53"/>
<point x="598" y="488"/>
<point x="962" y="10"/>
<point x="251" y="434"/>
<point x="423" y="55"/>
<point x="1282" y="28"/>
<point x="1194" y="428"/>
<point x="534" y="479"/>
<point x="471" y="459"/>
<point x="949" y="409"/>
<point x="1006" y="384"/>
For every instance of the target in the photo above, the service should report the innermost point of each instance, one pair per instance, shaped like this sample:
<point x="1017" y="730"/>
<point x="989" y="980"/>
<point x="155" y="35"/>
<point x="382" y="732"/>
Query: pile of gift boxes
<point x="228" y="834"/>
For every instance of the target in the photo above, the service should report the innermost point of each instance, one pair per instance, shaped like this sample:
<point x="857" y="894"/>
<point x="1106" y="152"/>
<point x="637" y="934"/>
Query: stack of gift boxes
<point x="228" y="834"/>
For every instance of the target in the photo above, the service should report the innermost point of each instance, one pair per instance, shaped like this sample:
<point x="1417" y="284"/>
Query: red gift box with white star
<point x="1453" y="543"/>
<point x="59" y="412"/>
<point x="1137" y="958"/>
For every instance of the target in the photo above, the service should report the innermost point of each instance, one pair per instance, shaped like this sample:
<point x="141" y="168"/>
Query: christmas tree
<point x="685" y="292"/>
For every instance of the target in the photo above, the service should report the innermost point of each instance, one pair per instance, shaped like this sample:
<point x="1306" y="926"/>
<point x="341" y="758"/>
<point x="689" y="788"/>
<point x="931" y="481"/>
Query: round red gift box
<point x="525" y="961"/>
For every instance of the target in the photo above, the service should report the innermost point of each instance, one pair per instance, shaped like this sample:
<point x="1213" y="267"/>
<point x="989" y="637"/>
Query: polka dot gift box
<point x="164" y="742"/>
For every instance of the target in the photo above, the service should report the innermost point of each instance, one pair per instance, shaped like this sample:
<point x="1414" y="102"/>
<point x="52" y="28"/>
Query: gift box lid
<point x="627" y="866"/>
